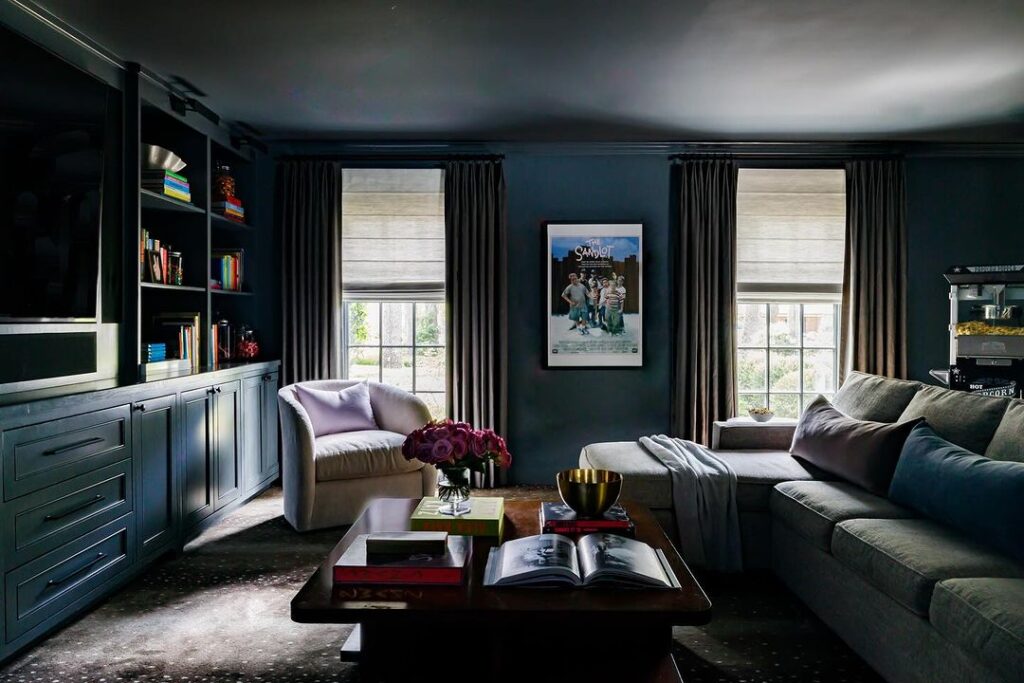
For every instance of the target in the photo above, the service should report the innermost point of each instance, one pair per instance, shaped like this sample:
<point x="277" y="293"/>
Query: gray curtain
<point x="704" y="388"/>
<point x="309" y="197"/>
<point x="475" y="241"/>
<point x="874" y="333"/>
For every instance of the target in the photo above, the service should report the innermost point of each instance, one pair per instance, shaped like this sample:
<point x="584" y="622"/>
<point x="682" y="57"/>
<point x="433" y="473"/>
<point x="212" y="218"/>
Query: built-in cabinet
<point x="98" y="485"/>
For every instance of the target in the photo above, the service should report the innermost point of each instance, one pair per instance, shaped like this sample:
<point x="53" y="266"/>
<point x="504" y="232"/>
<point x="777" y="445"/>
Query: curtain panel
<point x="476" y="293"/>
<point x="874" y="333"/>
<point x="704" y="384"/>
<point x="309" y="194"/>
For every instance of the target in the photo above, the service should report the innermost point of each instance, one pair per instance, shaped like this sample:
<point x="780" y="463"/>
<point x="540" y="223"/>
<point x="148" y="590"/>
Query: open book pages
<point x="595" y="559"/>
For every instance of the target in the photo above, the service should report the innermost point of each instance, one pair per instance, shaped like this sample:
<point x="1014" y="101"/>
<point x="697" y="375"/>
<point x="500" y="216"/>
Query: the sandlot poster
<point x="595" y="294"/>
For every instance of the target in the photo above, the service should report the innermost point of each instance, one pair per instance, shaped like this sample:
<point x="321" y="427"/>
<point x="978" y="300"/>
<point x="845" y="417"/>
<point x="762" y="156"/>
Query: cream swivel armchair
<point x="329" y="479"/>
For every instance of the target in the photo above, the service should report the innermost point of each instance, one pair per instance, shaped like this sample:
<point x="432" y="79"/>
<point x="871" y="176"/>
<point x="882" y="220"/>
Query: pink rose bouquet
<point x="445" y="443"/>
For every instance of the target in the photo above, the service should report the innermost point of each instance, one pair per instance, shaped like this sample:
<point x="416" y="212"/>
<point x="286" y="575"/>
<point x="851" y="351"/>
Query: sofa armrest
<point x="396" y="410"/>
<point x="741" y="434"/>
<point x="298" y="468"/>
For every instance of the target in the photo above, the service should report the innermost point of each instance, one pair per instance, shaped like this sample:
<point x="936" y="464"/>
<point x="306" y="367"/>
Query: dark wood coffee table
<point x="504" y="633"/>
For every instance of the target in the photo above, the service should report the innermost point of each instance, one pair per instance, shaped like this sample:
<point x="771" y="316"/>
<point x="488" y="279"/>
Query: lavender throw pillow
<point x="333" y="412"/>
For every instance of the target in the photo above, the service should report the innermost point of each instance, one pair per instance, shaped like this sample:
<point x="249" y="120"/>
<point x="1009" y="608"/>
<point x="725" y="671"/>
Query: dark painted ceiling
<point x="586" y="70"/>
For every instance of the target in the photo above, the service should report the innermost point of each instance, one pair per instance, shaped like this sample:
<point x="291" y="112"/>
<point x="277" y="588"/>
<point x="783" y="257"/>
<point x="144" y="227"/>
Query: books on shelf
<point x="229" y="207"/>
<point x="559" y="518"/>
<point x="485" y="518"/>
<point x="158" y="262"/>
<point x="593" y="560"/>
<point x="154" y="352"/>
<point x="227" y="269"/>
<point x="180" y="332"/>
<point x="169" y="183"/>
<point x="449" y="568"/>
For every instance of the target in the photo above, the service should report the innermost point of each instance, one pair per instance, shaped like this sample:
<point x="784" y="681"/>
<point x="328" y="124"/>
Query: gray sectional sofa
<point x="919" y="601"/>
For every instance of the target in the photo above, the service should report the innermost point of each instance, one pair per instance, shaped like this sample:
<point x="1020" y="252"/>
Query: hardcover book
<point x="448" y="569"/>
<point x="406" y="543"/>
<point x="559" y="518"/>
<point x="485" y="518"/>
<point x="593" y="560"/>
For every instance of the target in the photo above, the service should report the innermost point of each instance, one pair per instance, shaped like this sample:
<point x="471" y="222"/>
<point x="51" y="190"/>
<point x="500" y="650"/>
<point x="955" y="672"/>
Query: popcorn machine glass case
<point x="986" y="329"/>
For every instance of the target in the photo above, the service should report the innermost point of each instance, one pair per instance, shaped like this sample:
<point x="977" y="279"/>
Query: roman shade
<point x="393" y="234"/>
<point x="790" y="233"/>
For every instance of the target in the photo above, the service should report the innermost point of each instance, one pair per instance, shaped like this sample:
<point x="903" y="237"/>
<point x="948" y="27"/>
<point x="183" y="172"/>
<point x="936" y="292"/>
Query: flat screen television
<point x="55" y="123"/>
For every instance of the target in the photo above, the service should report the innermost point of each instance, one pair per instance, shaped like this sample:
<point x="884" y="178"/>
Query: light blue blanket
<point x="704" y="498"/>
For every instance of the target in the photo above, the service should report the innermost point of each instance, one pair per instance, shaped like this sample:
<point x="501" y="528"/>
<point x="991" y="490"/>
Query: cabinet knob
<point x="211" y="391"/>
<point x="266" y="378"/>
<point x="217" y="390"/>
<point x="139" y="407"/>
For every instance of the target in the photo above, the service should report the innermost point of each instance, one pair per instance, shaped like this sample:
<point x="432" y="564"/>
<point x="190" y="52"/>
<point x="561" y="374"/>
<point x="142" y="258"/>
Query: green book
<point x="486" y="517"/>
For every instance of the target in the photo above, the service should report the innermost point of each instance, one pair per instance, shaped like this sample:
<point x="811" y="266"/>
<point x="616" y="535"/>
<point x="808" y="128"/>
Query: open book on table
<point x="594" y="559"/>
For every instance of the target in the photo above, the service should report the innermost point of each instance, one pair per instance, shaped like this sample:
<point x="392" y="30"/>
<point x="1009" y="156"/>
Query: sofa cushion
<point x="644" y="479"/>
<point x="985" y="617"/>
<point x="968" y="420"/>
<point x="905" y="558"/>
<point x="861" y="452"/>
<point x="334" y="412"/>
<point x="813" y="508"/>
<point x="757" y="473"/>
<point x="875" y="398"/>
<point x="1008" y="441"/>
<point x="981" y="497"/>
<point x="368" y="453"/>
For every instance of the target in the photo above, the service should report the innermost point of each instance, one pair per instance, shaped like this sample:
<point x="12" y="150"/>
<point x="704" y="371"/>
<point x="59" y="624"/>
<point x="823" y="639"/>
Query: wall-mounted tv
<point x="55" y="125"/>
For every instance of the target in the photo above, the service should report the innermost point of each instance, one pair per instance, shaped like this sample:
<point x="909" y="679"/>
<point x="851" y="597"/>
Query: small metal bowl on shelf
<point x="589" y="492"/>
<point x="761" y="414"/>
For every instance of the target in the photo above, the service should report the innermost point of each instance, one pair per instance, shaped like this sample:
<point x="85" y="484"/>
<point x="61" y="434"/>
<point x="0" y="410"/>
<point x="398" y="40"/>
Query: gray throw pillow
<point x="334" y="412"/>
<point x="858" y="451"/>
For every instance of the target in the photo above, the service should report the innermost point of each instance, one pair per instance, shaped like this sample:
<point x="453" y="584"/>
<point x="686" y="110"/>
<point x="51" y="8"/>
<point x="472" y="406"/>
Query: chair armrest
<point x="741" y="434"/>
<point x="396" y="410"/>
<point x="298" y="469"/>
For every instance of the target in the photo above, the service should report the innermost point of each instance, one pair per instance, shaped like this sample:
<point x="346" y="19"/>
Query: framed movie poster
<point x="595" y="294"/>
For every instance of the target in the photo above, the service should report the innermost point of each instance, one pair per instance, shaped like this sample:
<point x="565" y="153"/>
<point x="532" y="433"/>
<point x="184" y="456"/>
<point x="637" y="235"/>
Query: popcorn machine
<point x="986" y="329"/>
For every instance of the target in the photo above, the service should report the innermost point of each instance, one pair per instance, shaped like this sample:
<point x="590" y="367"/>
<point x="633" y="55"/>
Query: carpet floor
<point x="219" y="613"/>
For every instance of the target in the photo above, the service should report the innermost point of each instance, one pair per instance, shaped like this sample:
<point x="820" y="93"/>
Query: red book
<point x="449" y="569"/>
<point x="558" y="518"/>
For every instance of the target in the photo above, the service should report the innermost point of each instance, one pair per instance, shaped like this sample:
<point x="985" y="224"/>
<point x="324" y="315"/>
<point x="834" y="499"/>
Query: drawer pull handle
<point x="140" y="407"/>
<point x="73" y="446"/>
<point x="95" y="499"/>
<point x="87" y="565"/>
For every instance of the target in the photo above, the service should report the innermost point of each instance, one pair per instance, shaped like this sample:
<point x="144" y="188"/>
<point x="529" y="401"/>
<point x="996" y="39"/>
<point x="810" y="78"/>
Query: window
<point x="393" y="271"/>
<point x="790" y="243"/>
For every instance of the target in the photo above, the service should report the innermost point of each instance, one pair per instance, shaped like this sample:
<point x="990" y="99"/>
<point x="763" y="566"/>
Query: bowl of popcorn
<point x="762" y="414"/>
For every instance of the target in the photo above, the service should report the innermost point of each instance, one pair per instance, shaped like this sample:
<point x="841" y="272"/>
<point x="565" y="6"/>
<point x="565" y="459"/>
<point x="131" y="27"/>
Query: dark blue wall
<point x="553" y="413"/>
<point x="959" y="210"/>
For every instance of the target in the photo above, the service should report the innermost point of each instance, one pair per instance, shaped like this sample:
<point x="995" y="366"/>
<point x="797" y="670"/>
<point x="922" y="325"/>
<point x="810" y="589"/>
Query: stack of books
<point x="227" y="269"/>
<point x="167" y="183"/>
<point x="154" y="352"/>
<point x="485" y="518"/>
<point x="180" y="332"/>
<point x="403" y="557"/>
<point x="229" y="207"/>
<point x="559" y="518"/>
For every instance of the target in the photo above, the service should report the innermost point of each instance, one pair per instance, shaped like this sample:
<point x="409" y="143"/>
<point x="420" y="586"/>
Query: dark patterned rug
<point x="219" y="613"/>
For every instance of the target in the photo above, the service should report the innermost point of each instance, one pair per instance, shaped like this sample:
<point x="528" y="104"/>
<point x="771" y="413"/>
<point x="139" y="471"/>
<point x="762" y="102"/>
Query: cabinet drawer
<point x="39" y="455"/>
<point x="63" y="512"/>
<point x="61" y="579"/>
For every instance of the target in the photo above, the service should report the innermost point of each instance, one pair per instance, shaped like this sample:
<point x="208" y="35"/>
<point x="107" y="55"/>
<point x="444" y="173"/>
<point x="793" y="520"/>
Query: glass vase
<point x="453" y="490"/>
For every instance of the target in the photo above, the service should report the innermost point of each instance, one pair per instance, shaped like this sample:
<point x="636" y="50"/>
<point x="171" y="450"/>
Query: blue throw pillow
<point x="977" y="495"/>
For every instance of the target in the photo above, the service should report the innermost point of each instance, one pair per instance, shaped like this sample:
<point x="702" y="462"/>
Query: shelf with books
<point x="170" y="288"/>
<point x="151" y="200"/>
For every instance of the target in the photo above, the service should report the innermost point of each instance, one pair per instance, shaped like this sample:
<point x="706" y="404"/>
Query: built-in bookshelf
<point x="196" y="250"/>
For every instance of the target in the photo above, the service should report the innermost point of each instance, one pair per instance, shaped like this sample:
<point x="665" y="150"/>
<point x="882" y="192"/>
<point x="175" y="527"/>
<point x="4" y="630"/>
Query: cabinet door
<point x="153" y="447"/>
<point x="197" y="440"/>
<point x="252" y="432"/>
<point x="269" y="467"/>
<point x="227" y="413"/>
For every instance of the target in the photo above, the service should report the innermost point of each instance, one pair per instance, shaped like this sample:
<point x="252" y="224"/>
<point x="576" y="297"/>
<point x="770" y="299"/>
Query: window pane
<point x="751" y="325"/>
<point x="785" y="405"/>
<point x="748" y="401"/>
<point x="363" y="323"/>
<point x="819" y="370"/>
<point x="364" y="364"/>
<point x="750" y="369"/>
<point x="397" y="329"/>
<point x="785" y="324"/>
<point x="785" y="370"/>
<point x="819" y="325"/>
<point x="437" y="405"/>
<point x="430" y="324"/>
<point x="430" y="370"/>
<point x="396" y="367"/>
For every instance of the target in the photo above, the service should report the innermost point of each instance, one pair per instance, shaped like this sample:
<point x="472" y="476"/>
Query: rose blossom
<point x="442" y="450"/>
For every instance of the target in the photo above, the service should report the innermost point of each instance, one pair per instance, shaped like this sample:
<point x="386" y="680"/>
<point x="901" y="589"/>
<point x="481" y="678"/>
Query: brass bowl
<point x="589" y="492"/>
